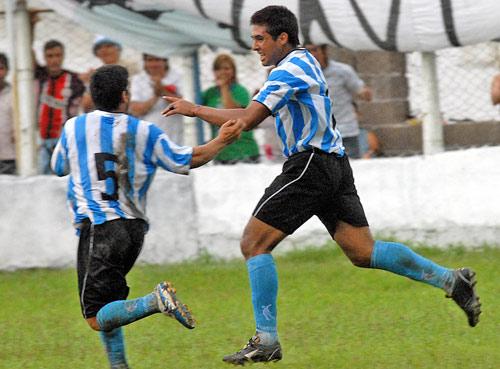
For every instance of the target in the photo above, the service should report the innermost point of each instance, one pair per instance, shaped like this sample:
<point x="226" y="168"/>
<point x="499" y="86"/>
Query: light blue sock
<point x="122" y="312"/>
<point x="115" y="348"/>
<point x="399" y="259"/>
<point x="264" y="285"/>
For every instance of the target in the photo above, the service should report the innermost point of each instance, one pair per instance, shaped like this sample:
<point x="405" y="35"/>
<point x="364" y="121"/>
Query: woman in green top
<point x="229" y="94"/>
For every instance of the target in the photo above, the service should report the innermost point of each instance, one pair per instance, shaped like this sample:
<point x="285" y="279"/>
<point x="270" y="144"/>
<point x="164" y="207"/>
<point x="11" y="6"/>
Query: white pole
<point x="10" y="6"/>
<point x="26" y="163"/>
<point x="432" y="130"/>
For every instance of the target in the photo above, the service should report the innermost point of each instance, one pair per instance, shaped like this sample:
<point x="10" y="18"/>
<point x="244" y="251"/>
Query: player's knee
<point x="247" y="249"/>
<point x="92" y="322"/>
<point x="361" y="261"/>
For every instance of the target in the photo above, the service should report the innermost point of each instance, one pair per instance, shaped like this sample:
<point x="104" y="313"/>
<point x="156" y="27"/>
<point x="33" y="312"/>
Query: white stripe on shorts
<point x="285" y="186"/>
<point x="91" y="247"/>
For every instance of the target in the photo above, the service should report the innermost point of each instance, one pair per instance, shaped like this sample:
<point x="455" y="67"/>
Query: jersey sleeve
<point x="167" y="154"/>
<point x="59" y="161"/>
<point x="279" y="89"/>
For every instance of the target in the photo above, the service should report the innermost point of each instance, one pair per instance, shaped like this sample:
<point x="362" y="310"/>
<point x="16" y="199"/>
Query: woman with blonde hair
<point x="229" y="94"/>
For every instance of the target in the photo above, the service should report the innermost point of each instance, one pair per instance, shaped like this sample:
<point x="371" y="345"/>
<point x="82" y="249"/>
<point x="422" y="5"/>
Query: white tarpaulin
<point x="166" y="27"/>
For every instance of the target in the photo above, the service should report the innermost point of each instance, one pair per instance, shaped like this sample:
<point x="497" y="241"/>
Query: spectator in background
<point x="109" y="52"/>
<point x="59" y="94"/>
<point x="229" y="94"/>
<point x="146" y="88"/>
<point x="7" y="145"/>
<point x="344" y="85"/>
<point x="495" y="90"/>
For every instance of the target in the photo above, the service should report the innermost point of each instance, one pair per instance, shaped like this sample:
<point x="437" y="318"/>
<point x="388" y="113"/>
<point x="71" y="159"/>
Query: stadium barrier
<point x="448" y="198"/>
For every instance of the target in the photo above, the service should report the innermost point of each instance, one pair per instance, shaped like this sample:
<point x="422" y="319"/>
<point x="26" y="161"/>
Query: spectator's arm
<point x="140" y="108"/>
<point x="495" y="90"/>
<point x="365" y="94"/>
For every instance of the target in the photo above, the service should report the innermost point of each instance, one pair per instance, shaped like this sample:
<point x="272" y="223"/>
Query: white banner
<point x="170" y="27"/>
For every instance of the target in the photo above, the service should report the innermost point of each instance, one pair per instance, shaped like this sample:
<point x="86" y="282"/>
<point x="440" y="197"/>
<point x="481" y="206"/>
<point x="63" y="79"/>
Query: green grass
<point x="331" y="315"/>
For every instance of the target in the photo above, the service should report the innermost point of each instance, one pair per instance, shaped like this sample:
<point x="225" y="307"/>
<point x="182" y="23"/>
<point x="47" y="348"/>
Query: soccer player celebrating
<point x="112" y="158"/>
<point x="316" y="180"/>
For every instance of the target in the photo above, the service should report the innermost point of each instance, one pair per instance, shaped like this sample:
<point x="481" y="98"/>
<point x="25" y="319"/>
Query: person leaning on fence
<point x="344" y="86"/>
<point x="59" y="94"/>
<point x="229" y="94"/>
<point x="495" y="90"/>
<point x="112" y="158"/>
<point x="7" y="142"/>
<point x="146" y="88"/>
<point x="316" y="180"/>
<point x="108" y="51"/>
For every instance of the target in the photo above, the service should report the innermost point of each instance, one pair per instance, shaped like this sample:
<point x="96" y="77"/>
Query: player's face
<point x="155" y="66"/>
<point x="54" y="59"/>
<point x="270" y="51"/>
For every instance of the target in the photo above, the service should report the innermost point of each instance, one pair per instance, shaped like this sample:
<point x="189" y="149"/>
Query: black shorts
<point x="312" y="183"/>
<point x="106" y="253"/>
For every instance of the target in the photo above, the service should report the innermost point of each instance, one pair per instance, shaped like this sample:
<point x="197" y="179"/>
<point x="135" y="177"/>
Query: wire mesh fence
<point x="464" y="77"/>
<point x="464" y="74"/>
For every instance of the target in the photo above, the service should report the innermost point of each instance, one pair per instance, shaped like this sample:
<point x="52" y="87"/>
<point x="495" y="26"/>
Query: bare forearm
<point x="204" y="153"/>
<point x="218" y="117"/>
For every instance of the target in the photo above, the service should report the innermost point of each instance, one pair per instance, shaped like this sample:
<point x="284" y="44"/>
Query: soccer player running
<point x="112" y="158"/>
<point x="316" y="180"/>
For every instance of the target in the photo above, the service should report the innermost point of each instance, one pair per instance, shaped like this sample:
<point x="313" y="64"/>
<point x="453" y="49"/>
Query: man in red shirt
<point x="59" y="94"/>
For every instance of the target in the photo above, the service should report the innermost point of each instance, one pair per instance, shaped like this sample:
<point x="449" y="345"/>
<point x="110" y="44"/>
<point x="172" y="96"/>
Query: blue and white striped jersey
<point x="296" y="93"/>
<point x="112" y="159"/>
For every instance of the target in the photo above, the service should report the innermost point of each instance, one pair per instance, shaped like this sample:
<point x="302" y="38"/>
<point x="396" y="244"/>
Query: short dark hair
<point x="4" y="60"/>
<point x="278" y="19"/>
<point x="107" y="85"/>
<point x="52" y="44"/>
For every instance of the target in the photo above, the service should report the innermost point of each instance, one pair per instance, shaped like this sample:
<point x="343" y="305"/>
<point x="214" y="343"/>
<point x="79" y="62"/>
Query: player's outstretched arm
<point x="228" y="133"/>
<point x="251" y="116"/>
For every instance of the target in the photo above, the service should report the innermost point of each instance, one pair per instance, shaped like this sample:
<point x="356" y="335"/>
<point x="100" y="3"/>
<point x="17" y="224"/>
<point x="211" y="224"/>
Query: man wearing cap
<point x="108" y="51"/>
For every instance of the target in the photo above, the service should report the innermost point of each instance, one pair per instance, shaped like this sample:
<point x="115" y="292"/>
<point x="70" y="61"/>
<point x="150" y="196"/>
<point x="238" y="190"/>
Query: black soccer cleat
<point x="464" y="294"/>
<point x="253" y="352"/>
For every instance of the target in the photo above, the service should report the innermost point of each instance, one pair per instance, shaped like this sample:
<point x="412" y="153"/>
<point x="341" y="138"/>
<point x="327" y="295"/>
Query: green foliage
<point x="331" y="315"/>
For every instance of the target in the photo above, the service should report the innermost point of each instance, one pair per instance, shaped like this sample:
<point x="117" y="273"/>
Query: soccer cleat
<point x="464" y="294"/>
<point x="171" y="306"/>
<point x="253" y="352"/>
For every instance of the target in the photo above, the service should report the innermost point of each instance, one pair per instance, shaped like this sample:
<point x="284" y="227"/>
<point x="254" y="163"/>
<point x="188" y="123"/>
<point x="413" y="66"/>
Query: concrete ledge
<point x="404" y="139"/>
<point x="440" y="199"/>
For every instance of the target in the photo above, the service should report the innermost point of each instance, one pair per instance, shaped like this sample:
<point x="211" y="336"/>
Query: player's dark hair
<point x="107" y="85"/>
<point x="53" y="44"/>
<point x="278" y="19"/>
<point x="4" y="60"/>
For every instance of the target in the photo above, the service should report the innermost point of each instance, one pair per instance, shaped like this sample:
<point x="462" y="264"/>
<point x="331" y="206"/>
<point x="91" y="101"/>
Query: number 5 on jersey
<point x="103" y="174"/>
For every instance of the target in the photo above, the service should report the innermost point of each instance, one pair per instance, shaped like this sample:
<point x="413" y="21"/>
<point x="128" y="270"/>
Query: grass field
<point x="331" y="315"/>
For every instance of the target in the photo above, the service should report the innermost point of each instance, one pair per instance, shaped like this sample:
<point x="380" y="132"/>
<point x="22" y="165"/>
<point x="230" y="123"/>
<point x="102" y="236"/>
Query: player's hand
<point x="230" y="131"/>
<point x="178" y="106"/>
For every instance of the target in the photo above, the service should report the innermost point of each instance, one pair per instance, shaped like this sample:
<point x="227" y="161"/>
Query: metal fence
<point x="464" y="78"/>
<point x="464" y="74"/>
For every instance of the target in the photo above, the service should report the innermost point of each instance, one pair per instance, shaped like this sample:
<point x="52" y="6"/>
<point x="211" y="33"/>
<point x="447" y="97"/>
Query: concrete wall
<point x="446" y="198"/>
